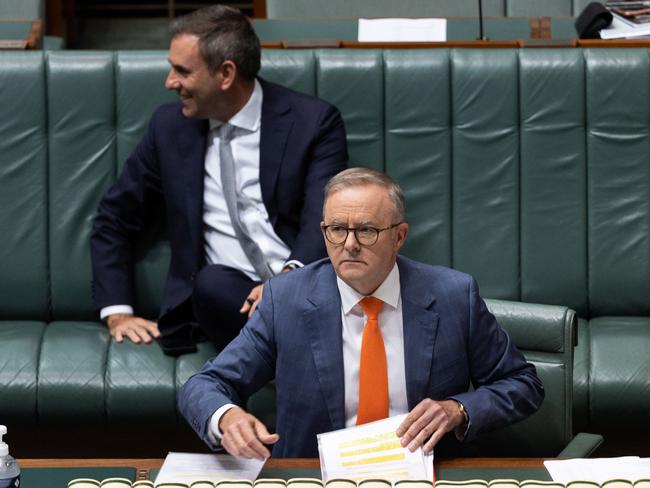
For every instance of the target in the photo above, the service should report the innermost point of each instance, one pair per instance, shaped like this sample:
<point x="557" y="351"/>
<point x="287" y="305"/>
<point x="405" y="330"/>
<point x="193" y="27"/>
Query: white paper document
<point x="371" y="450"/>
<point x="182" y="467"/>
<point x="620" y="30"/>
<point x="599" y="470"/>
<point x="402" y="30"/>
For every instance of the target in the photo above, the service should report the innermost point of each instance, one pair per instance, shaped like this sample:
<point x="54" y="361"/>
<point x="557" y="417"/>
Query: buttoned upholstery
<point x="526" y="168"/>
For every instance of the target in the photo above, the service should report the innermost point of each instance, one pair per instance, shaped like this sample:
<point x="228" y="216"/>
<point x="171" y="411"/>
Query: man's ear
<point x="228" y="74"/>
<point x="402" y="231"/>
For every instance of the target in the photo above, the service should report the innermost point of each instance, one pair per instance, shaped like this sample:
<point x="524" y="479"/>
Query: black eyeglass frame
<point x="355" y="230"/>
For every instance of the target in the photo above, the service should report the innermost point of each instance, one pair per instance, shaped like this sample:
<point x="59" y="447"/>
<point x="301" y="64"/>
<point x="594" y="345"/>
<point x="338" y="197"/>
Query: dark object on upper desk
<point x="591" y="20"/>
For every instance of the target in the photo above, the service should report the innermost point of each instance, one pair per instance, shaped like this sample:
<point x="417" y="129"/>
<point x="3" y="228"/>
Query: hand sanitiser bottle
<point x="9" y="470"/>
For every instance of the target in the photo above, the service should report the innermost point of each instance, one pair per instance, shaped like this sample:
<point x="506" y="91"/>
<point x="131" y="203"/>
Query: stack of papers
<point x="599" y="470"/>
<point x="371" y="450"/>
<point x="623" y="30"/>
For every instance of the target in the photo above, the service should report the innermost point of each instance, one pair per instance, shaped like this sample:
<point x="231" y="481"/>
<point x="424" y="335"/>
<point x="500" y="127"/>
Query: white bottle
<point x="9" y="470"/>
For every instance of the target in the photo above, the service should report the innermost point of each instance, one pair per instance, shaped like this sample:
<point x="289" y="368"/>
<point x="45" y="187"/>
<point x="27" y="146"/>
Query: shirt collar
<point x="250" y="116"/>
<point x="388" y="291"/>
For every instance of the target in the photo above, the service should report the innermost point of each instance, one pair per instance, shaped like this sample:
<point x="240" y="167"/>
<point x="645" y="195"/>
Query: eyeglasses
<point x="366" y="236"/>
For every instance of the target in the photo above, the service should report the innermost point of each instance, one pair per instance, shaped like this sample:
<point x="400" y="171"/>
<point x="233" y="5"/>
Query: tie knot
<point x="371" y="306"/>
<point x="227" y="132"/>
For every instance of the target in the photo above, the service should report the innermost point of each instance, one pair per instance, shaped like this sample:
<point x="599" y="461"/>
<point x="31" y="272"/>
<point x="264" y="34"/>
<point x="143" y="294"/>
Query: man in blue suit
<point x="237" y="168"/>
<point x="312" y="327"/>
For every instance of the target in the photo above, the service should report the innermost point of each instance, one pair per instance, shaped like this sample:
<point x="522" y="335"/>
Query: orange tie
<point x="373" y="373"/>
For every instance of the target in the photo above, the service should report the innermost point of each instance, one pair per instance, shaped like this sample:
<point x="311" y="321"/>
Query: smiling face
<point x="364" y="268"/>
<point x="200" y="91"/>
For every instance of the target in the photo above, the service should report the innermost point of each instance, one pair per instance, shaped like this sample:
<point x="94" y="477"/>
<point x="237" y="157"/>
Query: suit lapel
<point x="275" y="127"/>
<point x="420" y="328"/>
<point x="323" y="321"/>
<point x="192" y="146"/>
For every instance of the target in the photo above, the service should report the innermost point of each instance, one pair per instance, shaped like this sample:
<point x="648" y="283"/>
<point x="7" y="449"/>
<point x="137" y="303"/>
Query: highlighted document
<point x="371" y="450"/>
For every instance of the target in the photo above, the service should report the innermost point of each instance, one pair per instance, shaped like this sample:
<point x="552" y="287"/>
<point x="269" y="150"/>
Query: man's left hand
<point x="252" y="300"/>
<point x="428" y="422"/>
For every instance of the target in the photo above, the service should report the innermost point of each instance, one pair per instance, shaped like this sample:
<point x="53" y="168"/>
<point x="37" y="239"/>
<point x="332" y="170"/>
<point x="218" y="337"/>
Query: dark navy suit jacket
<point x="302" y="145"/>
<point x="294" y="337"/>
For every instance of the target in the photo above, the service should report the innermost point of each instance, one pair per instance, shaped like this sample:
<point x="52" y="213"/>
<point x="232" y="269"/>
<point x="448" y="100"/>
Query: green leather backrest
<point x="525" y="168"/>
<point x="22" y="9"/>
<point x="277" y="9"/>
<point x="380" y="8"/>
<point x="23" y="187"/>
<point x="534" y="8"/>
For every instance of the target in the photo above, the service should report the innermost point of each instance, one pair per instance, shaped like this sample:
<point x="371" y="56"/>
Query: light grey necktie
<point x="234" y="203"/>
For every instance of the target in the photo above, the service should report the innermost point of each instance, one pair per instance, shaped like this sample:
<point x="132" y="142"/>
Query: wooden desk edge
<point x="146" y="464"/>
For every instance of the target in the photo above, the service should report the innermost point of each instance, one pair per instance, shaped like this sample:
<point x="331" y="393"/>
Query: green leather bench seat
<point x="526" y="168"/>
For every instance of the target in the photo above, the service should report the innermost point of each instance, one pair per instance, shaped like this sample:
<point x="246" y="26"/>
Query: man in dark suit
<point x="360" y="336"/>
<point x="237" y="167"/>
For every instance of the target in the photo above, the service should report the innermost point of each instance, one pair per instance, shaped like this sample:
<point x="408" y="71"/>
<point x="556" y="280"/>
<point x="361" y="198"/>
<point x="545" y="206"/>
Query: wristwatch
<point x="461" y="407"/>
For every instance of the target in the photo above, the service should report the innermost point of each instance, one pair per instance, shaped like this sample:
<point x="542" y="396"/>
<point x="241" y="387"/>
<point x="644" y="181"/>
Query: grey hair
<point x="362" y="177"/>
<point x="224" y="34"/>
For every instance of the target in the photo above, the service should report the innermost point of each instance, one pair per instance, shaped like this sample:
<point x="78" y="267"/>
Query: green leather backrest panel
<point x="380" y="8"/>
<point x="81" y="124"/>
<point x="535" y="8"/>
<point x="418" y="147"/>
<point x="353" y="80"/>
<point x="293" y="68"/>
<point x="485" y="169"/>
<point x="618" y="96"/>
<point x="22" y="9"/>
<point x="553" y="176"/>
<point x="23" y="187"/>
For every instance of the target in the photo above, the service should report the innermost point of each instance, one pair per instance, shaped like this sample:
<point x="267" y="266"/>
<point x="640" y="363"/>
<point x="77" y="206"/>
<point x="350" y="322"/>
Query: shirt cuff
<point x="214" y="434"/>
<point x="293" y="263"/>
<point x="113" y="309"/>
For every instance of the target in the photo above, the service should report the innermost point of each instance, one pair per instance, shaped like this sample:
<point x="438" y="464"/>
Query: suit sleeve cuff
<point x="214" y="434"/>
<point x="113" y="309"/>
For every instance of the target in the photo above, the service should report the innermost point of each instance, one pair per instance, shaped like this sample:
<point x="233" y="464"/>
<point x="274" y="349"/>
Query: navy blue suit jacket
<point x="450" y="341"/>
<point x="302" y="145"/>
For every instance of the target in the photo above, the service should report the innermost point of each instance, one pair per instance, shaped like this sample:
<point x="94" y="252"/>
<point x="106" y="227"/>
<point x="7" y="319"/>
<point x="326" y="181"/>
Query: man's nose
<point x="171" y="83"/>
<point x="351" y="243"/>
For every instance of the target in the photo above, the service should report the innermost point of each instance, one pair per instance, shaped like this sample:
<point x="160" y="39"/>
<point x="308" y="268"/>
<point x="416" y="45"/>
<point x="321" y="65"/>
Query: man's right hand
<point x="137" y="329"/>
<point x="244" y="435"/>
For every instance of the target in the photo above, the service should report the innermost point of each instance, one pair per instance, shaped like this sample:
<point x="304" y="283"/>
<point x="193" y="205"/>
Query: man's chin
<point x="188" y="112"/>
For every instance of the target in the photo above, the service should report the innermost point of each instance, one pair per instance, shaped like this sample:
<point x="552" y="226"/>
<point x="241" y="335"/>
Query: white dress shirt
<point x="221" y="246"/>
<point x="353" y="321"/>
<point x="391" y="325"/>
